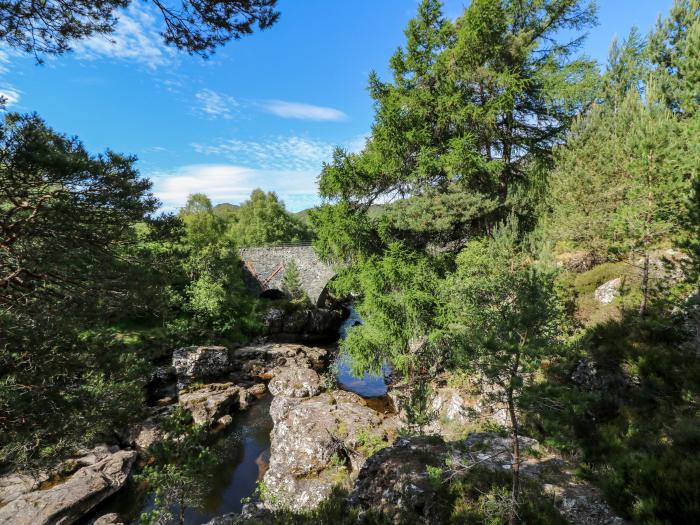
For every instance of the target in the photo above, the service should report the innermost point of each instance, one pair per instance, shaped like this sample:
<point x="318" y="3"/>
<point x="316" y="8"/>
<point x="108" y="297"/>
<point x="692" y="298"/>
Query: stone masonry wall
<point x="265" y="267"/>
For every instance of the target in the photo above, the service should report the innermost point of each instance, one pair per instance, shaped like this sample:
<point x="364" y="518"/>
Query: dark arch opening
<point x="273" y="293"/>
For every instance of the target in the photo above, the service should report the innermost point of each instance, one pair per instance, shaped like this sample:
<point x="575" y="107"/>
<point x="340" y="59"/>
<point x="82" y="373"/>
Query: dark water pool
<point x="366" y="384"/>
<point x="244" y="453"/>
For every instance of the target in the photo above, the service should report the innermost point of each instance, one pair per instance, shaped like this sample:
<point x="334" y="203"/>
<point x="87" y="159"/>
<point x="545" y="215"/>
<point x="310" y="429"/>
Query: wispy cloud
<point x="136" y="38"/>
<point x="298" y="110"/>
<point x="10" y="95"/>
<point x="215" y="105"/>
<point x="232" y="183"/>
<point x="279" y="153"/>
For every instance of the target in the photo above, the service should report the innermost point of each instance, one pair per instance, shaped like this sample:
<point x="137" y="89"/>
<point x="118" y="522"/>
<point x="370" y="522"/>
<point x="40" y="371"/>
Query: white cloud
<point x="216" y="105"/>
<point x="280" y="153"/>
<point x="10" y="94"/>
<point x="231" y="183"/>
<point x="136" y="38"/>
<point x="4" y="61"/>
<point x="297" y="110"/>
<point x="357" y="144"/>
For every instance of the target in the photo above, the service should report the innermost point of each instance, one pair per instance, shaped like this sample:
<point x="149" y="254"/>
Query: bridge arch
<point x="265" y="267"/>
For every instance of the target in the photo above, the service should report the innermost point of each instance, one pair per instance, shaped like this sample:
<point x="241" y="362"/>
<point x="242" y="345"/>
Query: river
<point x="243" y="450"/>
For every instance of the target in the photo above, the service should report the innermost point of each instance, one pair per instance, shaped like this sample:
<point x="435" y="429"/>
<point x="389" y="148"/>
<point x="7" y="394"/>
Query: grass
<point x="590" y="311"/>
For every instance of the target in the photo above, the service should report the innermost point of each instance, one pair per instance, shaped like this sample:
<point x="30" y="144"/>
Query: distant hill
<point x="375" y="210"/>
<point x="226" y="207"/>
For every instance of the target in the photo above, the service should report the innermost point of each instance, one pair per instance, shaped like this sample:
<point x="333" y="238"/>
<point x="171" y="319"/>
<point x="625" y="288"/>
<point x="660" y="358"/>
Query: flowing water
<point x="244" y="451"/>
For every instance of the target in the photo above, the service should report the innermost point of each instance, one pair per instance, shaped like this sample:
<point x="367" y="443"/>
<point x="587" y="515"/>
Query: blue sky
<point x="265" y="111"/>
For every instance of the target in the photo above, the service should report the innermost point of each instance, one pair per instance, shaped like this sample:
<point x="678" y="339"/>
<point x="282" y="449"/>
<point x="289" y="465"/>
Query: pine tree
<point x="501" y="316"/>
<point x="453" y="136"/>
<point x="292" y="282"/>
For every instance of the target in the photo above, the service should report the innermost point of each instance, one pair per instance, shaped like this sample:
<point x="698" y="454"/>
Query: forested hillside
<point x="522" y="224"/>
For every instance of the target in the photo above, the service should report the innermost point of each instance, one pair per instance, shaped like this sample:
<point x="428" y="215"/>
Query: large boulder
<point x="266" y="360"/>
<point x="200" y="363"/>
<point x="295" y="382"/>
<point x="302" y="324"/>
<point x="607" y="292"/>
<point x="144" y="434"/>
<point x="103" y="474"/>
<point x="578" y="261"/>
<point x="317" y="443"/>
<point x="396" y="481"/>
<point x="213" y="401"/>
<point x="14" y="485"/>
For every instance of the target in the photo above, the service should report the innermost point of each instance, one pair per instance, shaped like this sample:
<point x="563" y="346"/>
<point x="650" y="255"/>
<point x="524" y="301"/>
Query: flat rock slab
<point x="67" y="502"/>
<point x="213" y="401"/>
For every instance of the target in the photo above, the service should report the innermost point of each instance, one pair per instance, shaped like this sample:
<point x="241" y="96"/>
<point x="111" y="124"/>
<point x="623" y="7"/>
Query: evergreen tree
<point x="501" y="317"/>
<point x="454" y="127"/>
<point x="292" y="283"/>
<point x="673" y="48"/>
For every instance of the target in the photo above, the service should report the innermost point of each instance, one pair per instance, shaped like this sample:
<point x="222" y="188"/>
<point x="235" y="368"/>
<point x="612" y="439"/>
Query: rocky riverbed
<point x="319" y="437"/>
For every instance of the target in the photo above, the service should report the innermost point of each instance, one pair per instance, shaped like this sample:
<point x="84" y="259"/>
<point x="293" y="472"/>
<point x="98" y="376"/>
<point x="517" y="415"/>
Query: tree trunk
<point x="515" y="466"/>
<point x="646" y="241"/>
<point x="645" y="285"/>
<point x="515" y="461"/>
<point x="181" y="510"/>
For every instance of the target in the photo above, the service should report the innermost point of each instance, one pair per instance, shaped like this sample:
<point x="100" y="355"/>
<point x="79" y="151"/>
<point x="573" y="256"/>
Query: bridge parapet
<point x="265" y="267"/>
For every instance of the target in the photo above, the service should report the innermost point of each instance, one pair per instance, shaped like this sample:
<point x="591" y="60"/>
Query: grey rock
<point x="308" y="434"/>
<point x="607" y="292"/>
<point x="14" y="485"/>
<point x="273" y="319"/>
<point x="295" y="321"/>
<point x="590" y="375"/>
<point x="194" y="363"/>
<point x="395" y="481"/>
<point x="258" y="390"/>
<point x="108" y="519"/>
<point x="68" y="501"/>
<point x="213" y="401"/>
<point x="295" y="382"/>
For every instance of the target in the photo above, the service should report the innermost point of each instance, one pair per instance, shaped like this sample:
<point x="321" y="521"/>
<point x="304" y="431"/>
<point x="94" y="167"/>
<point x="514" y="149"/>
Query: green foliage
<point x="206" y="282"/>
<point x="53" y="27"/>
<point x="452" y="134"/>
<point x="637" y="430"/>
<point x="66" y="215"/>
<point x="70" y="257"/>
<point x="417" y="405"/>
<point x="183" y="462"/>
<point x="400" y="296"/>
<point x="292" y="283"/>
<point x="262" y="220"/>
<point x="502" y="310"/>
<point x="369" y="443"/>
<point x="60" y="392"/>
<point x="343" y="232"/>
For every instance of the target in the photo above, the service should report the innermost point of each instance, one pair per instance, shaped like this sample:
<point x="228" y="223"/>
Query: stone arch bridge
<point x="265" y="267"/>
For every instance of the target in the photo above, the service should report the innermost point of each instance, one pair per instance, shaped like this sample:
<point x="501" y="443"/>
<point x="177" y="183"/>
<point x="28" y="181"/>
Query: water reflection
<point x="244" y="453"/>
<point x="368" y="384"/>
